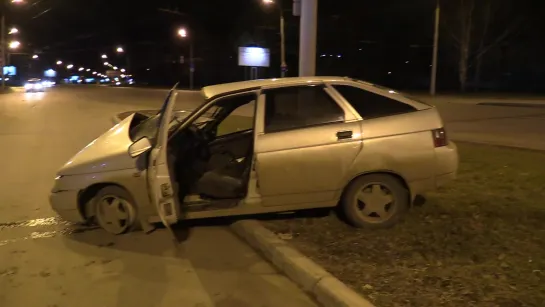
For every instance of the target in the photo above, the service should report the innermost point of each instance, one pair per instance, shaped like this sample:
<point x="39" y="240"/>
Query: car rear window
<point x="371" y="105"/>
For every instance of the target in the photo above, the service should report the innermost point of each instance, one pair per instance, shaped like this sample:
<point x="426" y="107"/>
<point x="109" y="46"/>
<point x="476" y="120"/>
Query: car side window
<point x="299" y="107"/>
<point x="370" y="105"/>
<point x="242" y="118"/>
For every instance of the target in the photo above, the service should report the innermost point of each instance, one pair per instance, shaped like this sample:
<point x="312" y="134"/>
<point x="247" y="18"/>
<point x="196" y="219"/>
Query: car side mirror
<point x="139" y="147"/>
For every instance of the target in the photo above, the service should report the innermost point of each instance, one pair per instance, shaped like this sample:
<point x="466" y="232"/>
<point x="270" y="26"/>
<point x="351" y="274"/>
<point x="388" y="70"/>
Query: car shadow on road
<point x="134" y="263"/>
<point x="145" y="262"/>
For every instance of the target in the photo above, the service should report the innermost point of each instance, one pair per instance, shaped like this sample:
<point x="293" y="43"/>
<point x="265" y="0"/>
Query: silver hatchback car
<point x="262" y="146"/>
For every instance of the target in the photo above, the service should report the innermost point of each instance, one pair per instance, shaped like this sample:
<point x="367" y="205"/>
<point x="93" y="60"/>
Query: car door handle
<point x="342" y="135"/>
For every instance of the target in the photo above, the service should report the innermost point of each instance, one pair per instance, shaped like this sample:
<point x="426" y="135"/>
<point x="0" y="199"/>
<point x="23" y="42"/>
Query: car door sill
<point x="193" y="203"/>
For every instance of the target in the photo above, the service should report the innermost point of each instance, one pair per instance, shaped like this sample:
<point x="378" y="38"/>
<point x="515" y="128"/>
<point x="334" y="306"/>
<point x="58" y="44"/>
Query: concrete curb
<point x="324" y="287"/>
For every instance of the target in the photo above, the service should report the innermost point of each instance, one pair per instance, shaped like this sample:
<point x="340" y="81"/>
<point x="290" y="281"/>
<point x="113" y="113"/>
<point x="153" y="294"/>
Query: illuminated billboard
<point x="50" y="73"/>
<point x="10" y="71"/>
<point x="254" y="57"/>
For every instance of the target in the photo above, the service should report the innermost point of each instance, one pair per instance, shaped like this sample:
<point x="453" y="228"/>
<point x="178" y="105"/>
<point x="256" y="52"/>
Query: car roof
<point x="226" y="88"/>
<point x="219" y="89"/>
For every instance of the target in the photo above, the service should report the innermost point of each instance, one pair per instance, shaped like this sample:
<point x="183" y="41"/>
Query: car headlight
<point x="38" y="86"/>
<point x="27" y="86"/>
<point x="58" y="177"/>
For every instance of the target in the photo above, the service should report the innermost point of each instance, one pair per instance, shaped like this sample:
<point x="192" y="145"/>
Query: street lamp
<point x="13" y="30"/>
<point x="120" y="50"/>
<point x="3" y="51"/>
<point x="283" y="65"/>
<point x="182" y="32"/>
<point x="106" y="63"/>
<point x="14" y="44"/>
<point x="115" y="67"/>
<point x="88" y="69"/>
<point x="122" y="69"/>
<point x="35" y="56"/>
<point x="59" y="62"/>
<point x="81" y="69"/>
<point x="69" y="66"/>
<point x="104" y="56"/>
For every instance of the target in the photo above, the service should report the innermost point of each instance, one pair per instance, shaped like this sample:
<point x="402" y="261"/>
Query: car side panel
<point x="305" y="164"/>
<point x="132" y="180"/>
<point x="402" y="145"/>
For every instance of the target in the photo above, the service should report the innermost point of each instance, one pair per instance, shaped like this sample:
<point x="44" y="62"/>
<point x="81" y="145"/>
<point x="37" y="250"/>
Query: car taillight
<point x="439" y="137"/>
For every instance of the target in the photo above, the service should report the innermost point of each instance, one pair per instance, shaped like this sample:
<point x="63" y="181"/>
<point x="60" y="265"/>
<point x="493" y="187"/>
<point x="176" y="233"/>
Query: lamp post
<point x="283" y="65"/>
<point x="183" y="34"/>
<point x="2" y="46"/>
<point x="120" y="50"/>
<point x="3" y="43"/>
<point x="433" y="82"/>
<point x="307" y="37"/>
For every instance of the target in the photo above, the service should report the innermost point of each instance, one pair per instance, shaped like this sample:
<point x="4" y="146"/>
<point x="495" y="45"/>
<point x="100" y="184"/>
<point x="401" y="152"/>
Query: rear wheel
<point x="115" y="210"/>
<point x="375" y="201"/>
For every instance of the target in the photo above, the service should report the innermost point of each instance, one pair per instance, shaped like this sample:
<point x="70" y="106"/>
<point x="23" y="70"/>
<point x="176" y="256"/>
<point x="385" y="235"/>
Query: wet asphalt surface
<point x="507" y="121"/>
<point x="47" y="262"/>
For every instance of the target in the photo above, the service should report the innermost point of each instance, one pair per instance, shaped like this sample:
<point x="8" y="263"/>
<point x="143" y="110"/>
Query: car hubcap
<point x="114" y="214"/>
<point x="375" y="203"/>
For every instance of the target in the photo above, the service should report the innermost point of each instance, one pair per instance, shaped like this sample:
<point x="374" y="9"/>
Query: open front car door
<point x="159" y="179"/>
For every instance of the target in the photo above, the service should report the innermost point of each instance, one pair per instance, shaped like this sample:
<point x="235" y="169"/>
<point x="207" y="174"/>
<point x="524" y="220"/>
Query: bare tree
<point x="471" y="30"/>
<point x="467" y="7"/>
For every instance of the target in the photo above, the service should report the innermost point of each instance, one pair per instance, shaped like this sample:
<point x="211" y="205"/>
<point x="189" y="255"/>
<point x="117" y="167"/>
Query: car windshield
<point x="148" y="127"/>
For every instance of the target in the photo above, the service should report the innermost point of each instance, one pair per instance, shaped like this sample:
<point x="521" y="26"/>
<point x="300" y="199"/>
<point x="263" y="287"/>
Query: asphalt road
<point x="511" y="125"/>
<point x="46" y="262"/>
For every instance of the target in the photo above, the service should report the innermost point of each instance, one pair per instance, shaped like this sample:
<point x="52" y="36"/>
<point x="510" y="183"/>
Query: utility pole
<point x="307" y="38"/>
<point x="283" y="65"/>
<point x="435" y="51"/>
<point x="3" y="45"/>
<point x="191" y="63"/>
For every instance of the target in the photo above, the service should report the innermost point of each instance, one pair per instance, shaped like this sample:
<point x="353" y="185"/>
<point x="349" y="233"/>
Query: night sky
<point x="372" y="37"/>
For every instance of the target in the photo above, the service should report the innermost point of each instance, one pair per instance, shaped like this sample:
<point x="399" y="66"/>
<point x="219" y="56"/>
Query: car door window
<point x="242" y="118"/>
<point x="299" y="107"/>
<point x="371" y="105"/>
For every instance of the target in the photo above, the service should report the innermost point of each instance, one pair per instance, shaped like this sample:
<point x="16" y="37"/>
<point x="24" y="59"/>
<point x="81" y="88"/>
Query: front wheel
<point x="115" y="210"/>
<point x="375" y="201"/>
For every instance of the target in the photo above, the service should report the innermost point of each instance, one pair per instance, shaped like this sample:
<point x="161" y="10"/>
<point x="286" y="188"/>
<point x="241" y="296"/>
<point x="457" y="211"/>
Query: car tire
<point x="115" y="210"/>
<point x="375" y="201"/>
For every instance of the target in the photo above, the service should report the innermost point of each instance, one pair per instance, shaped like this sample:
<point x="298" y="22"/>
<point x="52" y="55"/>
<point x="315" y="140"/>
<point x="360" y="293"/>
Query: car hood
<point x="109" y="152"/>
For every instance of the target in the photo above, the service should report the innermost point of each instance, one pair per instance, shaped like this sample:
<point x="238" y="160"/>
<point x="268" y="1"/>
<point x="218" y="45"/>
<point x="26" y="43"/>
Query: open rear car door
<point x="159" y="179"/>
